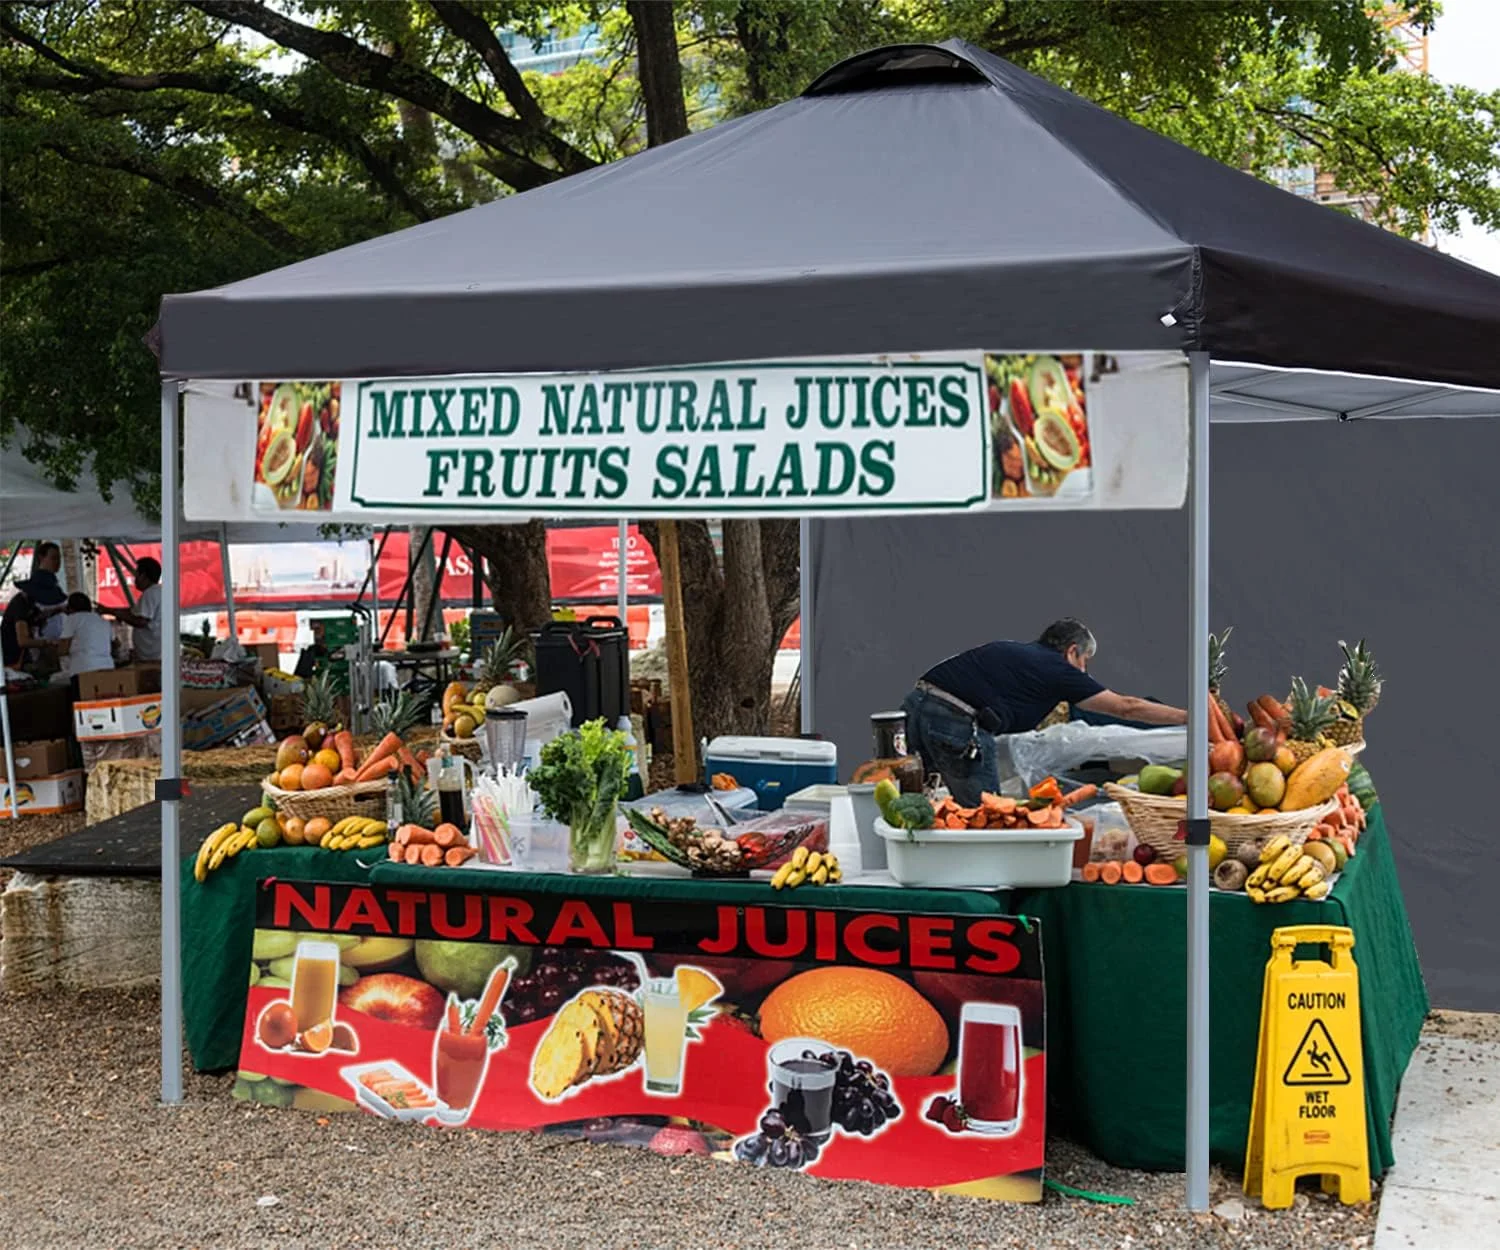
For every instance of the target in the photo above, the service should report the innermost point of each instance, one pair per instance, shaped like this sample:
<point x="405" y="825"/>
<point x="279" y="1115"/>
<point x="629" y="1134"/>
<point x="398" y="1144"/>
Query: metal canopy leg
<point x="1197" y="795"/>
<point x="234" y="628"/>
<point x="805" y="618"/>
<point x="169" y="787"/>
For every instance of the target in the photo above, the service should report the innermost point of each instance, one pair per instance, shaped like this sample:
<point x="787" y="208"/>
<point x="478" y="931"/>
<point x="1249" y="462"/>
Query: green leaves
<point x="582" y="774"/>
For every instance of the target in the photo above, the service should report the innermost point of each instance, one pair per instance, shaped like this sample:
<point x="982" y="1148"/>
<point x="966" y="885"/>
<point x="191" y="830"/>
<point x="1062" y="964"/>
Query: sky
<point x="1464" y="48"/>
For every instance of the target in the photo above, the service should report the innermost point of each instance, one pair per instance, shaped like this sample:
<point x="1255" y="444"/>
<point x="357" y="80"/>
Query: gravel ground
<point x="90" y="1160"/>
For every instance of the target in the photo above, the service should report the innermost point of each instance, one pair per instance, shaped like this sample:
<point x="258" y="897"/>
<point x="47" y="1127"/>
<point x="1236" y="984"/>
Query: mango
<point x="377" y="952"/>
<point x="1159" y="779"/>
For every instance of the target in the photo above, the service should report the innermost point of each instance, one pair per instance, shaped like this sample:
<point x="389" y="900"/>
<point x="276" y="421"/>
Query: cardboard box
<point x="117" y="718"/>
<point x="119" y="683"/>
<point x="45" y="796"/>
<point x="38" y="759"/>
<point x="269" y="654"/>
<point x="233" y="715"/>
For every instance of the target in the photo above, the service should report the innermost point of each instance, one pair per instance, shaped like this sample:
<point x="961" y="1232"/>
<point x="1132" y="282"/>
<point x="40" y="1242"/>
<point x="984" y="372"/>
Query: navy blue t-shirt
<point x="1021" y="682"/>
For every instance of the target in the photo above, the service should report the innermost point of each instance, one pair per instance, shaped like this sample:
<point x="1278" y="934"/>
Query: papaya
<point x="456" y="692"/>
<point x="1316" y="779"/>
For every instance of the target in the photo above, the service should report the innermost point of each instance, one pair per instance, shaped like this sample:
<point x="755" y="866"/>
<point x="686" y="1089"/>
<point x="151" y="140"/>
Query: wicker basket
<point x="363" y="798"/>
<point x="470" y="748"/>
<point x="1154" y="819"/>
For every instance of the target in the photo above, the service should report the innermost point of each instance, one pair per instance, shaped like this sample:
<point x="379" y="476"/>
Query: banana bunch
<point x="354" y="833"/>
<point x="223" y="843"/>
<point x="1285" y="873"/>
<point x="815" y="867"/>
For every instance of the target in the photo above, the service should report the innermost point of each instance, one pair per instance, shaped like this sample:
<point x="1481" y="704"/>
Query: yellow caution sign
<point x="1307" y="1116"/>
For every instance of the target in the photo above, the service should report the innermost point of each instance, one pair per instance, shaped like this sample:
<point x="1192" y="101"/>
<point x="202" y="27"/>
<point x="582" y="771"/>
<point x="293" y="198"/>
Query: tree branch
<point x="190" y="188"/>
<point x="352" y="62"/>
<point x="86" y="79"/>
<point x="476" y="32"/>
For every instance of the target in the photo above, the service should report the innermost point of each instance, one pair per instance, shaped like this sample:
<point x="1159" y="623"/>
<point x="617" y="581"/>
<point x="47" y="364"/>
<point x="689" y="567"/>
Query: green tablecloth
<point x="1115" y="965"/>
<point x="1116" y="960"/>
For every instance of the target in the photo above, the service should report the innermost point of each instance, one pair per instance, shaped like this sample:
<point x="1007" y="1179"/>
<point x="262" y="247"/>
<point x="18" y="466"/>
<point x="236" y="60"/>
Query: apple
<point x="676" y="1140"/>
<point x="396" y="998"/>
<point x="1144" y="853"/>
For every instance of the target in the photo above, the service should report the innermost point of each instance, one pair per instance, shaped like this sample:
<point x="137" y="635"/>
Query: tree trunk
<point x="519" y="579"/>
<point x="735" y="610"/>
<point x="659" y="69"/>
<point x="425" y="584"/>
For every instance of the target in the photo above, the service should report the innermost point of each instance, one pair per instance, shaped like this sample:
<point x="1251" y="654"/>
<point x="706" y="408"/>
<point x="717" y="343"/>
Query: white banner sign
<point x="949" y="432"/>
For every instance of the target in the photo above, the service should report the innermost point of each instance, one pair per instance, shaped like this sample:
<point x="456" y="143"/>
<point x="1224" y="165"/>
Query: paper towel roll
<point x="546" y="716"/>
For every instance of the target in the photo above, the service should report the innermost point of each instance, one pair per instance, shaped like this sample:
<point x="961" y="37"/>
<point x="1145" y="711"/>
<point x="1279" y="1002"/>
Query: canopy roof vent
<point x="901" y="65"/>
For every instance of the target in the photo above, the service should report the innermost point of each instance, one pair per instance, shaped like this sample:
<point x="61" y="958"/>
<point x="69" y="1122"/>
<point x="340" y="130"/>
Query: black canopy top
<point x="913" y="198"/>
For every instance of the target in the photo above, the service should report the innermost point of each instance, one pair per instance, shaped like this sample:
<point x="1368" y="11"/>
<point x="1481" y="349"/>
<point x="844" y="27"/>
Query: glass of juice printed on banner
<point x="803" y="1074"/>
<point x="989" y="1067"/>
<point x="666" y="1036"/>
<point x="459" y="1060"/>
<point x="315" y="983"/>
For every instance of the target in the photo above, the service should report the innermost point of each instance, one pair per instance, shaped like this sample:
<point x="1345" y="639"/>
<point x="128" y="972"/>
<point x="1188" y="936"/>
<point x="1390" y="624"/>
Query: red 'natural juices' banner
<point x="890" y="1047"/>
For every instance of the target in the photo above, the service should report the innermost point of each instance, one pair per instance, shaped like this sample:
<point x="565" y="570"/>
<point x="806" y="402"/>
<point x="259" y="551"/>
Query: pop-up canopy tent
<point x="913" y="198"/>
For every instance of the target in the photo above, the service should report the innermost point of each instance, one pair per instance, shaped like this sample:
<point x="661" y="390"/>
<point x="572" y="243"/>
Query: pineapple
<point x="395" y="714"/>
<point x="624" y="1028"/>
<point x="1358" y="693"/>
<point x="1312" y="715"/>
<point x="319" y="702"/>
<point x="411" y="801"/>
<point x="1218" y="669"/>
<point x="495" y="666"/>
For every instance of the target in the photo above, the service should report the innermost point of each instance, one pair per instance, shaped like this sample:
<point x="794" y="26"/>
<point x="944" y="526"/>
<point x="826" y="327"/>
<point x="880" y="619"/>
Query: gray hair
<point x="1062" y="636"/>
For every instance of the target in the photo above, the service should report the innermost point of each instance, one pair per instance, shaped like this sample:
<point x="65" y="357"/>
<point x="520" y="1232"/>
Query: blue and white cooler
<point x="774" y="767"/>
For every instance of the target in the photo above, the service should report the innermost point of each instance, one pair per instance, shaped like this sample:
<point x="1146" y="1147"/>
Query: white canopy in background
<point x="31" y="507"/>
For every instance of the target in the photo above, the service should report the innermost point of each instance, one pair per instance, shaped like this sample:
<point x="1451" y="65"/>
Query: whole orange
<point x="872" y="1014"/>
<point x="316" y="777"/>
<point x="329" y="759"/>
<point x="291" y="777"/>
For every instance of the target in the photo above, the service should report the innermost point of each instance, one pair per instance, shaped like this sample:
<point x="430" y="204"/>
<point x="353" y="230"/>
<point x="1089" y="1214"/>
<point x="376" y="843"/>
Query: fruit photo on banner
<point x="1039" y="431"/>
<point x="296" y="447"/>
<point x="617" y="1025"/>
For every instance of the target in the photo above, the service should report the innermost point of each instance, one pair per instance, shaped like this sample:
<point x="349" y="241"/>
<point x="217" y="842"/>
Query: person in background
<point x="307" y="662"/>
<point x="957" y="707"/>
<point x="87" y="640"/>
<point x="16" y="627"/>
<point x="145" y="619"/>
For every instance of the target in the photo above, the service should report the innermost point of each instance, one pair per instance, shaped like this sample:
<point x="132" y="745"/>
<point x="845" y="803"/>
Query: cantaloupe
<point x="1316" y="779"/>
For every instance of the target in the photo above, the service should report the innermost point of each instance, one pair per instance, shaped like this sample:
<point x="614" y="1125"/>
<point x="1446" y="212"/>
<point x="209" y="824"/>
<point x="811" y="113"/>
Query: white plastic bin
<point x="981" y="859"/>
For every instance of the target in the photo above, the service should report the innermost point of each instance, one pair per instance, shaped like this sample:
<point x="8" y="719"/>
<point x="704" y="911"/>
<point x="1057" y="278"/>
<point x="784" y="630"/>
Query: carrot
<point x="1160" y="874"/>
<point x="954" y="822"/>
<point x="1080" y="795"/>
<point x="1109" y="872"/>
<point x="1215" y="721"/>
<point x="1132" y="873"/>
<point x="344" y="777"/>
<point x="397" y="852"/>
<point x="343" y="743"/>
<point x="415" y="835"/>
<point x="456" y="855"/>
<point x="454" y="1024"/>
<point x="431" y="856"/>
<point x="447" y="835"/>
<point x="385" y="749"/>
<point x="374" y="770"/>
<point x="408" y="760"/>
<point x="1261" y="717"/>
<point x="490" y="999"/>
<point x="1091" y="872"/>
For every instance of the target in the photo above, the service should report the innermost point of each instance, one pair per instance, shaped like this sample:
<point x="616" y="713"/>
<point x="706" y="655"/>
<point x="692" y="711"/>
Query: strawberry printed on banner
<point x="897" y="1048"/>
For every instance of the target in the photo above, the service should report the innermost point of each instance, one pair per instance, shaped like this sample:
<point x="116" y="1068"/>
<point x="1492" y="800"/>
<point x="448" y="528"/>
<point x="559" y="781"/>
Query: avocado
<point x="1159" y="779"/>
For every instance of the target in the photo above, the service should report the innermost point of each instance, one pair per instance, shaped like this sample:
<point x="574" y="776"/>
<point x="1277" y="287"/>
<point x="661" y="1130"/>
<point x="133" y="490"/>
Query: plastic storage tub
<point x="981" y="859"/>
<point x="835" y="803"/>
<point x="774" y="767"/>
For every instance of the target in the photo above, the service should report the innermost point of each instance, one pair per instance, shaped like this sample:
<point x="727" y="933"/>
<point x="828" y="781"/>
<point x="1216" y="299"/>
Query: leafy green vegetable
<point x="911" y="811"/>
<point x="580" y="780"/>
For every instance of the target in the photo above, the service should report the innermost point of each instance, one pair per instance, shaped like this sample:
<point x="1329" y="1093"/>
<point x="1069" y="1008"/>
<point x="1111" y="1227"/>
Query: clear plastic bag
<point x="1047" y="752"/>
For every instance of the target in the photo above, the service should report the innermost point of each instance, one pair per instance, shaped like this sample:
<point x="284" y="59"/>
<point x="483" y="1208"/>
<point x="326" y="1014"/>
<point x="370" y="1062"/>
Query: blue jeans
<point x="950" y="743"/>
